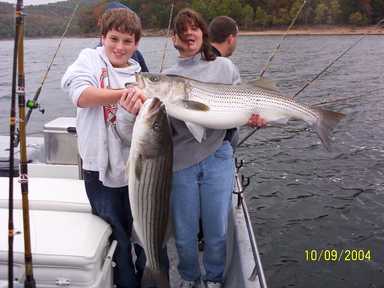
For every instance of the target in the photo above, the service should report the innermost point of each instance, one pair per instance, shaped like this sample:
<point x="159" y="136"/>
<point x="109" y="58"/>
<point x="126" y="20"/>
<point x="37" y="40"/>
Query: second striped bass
<point x="221" y="106"/>
<point x="149" y="181"/>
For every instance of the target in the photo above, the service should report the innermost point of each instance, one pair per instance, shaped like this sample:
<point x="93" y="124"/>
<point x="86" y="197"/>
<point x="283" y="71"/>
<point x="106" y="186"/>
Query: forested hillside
<point x="44" y="20"/>
<point x="50" y="19"/>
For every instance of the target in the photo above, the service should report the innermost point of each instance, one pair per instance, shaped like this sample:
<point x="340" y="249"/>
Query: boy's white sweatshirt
<point x="103" y="132"/>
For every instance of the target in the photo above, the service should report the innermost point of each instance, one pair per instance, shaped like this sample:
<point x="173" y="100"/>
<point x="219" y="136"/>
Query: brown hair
<point x="122" y="20"/>
<point x="220" y="28"/>
<point x="188" y="16"/>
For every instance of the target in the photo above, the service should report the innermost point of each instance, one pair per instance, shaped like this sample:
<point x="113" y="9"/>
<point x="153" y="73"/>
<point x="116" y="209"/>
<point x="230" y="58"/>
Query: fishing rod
<point x="318" y="104"/>
<point x="18" y="68"/>
<point x="336" y="59"/>
<point x="12" y="130"/>
<point x="266" y="66"/>
<point x="167" y="37"/>
<point x="346" y="98"/>
<point x="281" y="40"/>
<point x="32" y="104"/>
<point x="317" y="76"/>
<point x="29" y="280"/>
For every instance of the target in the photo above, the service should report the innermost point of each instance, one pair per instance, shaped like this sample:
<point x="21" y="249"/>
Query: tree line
<point x="261" y="14"/>
<point x="49" y="20"/>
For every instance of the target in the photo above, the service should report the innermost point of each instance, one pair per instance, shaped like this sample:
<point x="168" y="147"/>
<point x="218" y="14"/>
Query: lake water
<point x="301" y="197"/>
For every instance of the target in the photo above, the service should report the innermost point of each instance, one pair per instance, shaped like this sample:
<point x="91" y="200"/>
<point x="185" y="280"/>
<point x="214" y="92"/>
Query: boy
<point x="137" y="54"/>
<point x="104" y="129"/>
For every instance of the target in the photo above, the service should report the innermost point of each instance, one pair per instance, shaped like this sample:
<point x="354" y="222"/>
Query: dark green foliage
<point x="43" y="20"/>
<point x="357" y="18"/>
<point x="50" y="19"/>
<point x="377" y="10"/>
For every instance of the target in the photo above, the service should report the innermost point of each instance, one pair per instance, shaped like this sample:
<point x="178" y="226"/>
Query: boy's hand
<point x="132" y="99"/>
<point x="256" y="121"/>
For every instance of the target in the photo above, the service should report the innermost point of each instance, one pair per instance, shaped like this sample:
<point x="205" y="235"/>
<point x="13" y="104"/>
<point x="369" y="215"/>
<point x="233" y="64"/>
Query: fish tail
<point x="325" y="123"/>
<point x="157" y="279"/>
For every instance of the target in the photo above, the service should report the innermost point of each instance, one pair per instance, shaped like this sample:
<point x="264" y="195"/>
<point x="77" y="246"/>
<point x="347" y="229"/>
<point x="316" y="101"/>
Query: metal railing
<point x="241" y="183"/>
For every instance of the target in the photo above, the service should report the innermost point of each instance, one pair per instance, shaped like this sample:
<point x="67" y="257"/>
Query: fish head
<point x="162" y="86"/>
<point x="153" y="129"/>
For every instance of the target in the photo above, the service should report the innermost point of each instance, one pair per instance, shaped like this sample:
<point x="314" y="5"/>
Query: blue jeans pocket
<point x="225" y="151"/>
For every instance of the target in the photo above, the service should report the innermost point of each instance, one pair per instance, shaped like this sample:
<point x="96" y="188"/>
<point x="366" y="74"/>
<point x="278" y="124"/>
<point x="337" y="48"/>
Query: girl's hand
<point x="256" y="121"/>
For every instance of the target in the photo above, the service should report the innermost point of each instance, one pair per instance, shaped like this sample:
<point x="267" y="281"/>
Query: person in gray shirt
<point x="203" y="172"/>
<point x="223" y="32"/>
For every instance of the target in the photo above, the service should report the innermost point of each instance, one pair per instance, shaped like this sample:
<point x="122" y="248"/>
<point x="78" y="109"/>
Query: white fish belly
<point x="211" y="119"/>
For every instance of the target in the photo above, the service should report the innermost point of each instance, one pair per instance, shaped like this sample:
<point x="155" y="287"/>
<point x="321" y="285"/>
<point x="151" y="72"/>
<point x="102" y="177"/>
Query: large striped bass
<point x="149" y="180"/>
<point x="221" y="106"/>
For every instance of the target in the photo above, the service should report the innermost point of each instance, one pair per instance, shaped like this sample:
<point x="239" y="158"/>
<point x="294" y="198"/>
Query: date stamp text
<point x="338" y="255"/>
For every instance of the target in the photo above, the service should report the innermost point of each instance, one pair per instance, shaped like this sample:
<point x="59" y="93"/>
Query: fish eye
<point x="154" y="78"/>
<point x="156" y="126"/>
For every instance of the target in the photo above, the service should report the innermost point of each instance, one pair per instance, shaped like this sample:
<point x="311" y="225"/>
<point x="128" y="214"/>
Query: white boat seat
<point x="48" y="194"/>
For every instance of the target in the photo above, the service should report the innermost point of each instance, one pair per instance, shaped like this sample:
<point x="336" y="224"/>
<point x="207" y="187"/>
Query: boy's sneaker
<point x="190" y="284"/>
<point x="213" y="285"/>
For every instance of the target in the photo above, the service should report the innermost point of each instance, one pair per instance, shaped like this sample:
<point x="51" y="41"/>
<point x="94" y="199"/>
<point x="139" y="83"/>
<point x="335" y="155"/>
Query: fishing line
<point x="381" y="22"/>
<point x="281" y="40"/>
<point x="32" y="104"/>
<point x="167" y="37"/>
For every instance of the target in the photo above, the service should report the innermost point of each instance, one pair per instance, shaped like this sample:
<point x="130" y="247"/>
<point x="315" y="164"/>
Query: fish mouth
<point x="154" y="106"/>
<point x="155" y="110"/>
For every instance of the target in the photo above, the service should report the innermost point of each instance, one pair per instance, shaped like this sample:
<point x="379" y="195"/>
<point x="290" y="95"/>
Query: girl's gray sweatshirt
<point x="187" y="150"/>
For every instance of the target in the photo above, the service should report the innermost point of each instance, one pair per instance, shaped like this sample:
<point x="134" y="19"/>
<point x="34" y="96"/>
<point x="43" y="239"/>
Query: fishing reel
<point x="32" y="104"/>
<point x="240" y="177"/>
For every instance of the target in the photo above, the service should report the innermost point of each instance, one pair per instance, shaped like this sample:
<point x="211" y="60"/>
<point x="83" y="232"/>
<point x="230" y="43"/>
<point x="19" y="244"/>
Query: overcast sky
<point x="31" y="2"/>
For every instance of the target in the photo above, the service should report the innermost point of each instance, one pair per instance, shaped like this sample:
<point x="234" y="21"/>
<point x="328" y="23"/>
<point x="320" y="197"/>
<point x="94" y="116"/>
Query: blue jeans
<point x="112" y="205"/>
<point x="203" y="190"/>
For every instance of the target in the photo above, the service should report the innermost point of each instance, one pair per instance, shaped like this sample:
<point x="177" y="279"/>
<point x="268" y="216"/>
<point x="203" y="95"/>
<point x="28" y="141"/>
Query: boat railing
<point x="241" y="183"/>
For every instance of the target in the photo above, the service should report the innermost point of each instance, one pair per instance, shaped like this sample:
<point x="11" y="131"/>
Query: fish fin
<point x="157" y="279"/>
<point x="263" y="83"/>
<point x="196" y="130"/>
<point x="138" y="167"/>
<point x="194" y="105"/>
<point x="325" y="124"/>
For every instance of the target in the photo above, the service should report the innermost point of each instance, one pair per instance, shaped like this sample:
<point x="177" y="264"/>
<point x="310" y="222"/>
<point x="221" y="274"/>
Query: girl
<point x="203" y="175"/>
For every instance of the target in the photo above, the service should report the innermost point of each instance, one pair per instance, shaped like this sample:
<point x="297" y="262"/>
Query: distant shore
<point x="320" y="30"/>
<point x="303" y="30"/>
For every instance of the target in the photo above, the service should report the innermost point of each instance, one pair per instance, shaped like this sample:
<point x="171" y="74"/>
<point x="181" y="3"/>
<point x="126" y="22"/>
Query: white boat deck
<point x="61" y="223"/>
